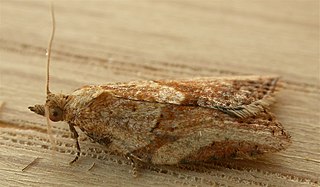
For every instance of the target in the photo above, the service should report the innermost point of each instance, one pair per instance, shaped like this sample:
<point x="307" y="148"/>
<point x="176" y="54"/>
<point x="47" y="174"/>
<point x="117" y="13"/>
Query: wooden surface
<point x="109" y="41"/>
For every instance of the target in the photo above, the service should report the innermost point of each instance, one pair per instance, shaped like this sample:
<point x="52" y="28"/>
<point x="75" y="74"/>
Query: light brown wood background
<point x="109" y="41"/>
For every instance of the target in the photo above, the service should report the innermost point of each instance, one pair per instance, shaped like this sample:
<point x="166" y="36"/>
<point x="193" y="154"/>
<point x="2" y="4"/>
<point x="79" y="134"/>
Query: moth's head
<point x="55" y="106"/>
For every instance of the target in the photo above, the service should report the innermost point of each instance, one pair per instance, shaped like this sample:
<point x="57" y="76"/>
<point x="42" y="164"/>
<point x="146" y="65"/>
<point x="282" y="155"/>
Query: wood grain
<point x="109" y="41"/>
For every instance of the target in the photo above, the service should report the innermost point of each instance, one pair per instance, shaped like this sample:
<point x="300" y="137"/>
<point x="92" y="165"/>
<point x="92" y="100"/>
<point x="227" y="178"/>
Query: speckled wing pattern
<point x="174" y="121"/>
<point x="241" y="96"/>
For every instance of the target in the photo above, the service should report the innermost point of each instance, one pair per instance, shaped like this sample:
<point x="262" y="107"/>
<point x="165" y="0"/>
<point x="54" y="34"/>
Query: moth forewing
<point x="136" y="119"/>
<point x="149" y="128"/>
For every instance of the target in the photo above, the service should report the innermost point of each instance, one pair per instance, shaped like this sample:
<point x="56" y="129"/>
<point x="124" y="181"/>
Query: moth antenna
<point x="50" y="45"/>
<point x="49" y="126"/>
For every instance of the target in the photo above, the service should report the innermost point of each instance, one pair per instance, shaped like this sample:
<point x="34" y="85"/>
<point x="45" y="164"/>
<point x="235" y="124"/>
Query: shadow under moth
<point x="173" y="121"/>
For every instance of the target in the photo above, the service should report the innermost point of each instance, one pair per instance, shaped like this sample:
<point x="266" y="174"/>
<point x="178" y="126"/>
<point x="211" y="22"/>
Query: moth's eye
<point x="56" y="114"/>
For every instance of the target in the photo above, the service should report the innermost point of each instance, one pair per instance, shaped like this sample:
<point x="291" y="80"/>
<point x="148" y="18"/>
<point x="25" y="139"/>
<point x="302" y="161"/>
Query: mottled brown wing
<point x="241" y="96"/>
<point x="164" y="133"/>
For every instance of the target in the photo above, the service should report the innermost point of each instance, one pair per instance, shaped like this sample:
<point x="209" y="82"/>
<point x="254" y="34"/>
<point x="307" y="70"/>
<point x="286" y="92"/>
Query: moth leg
<point x="135" y="157"/>
<point x="132" y="158"/>
<point x="75" y="136"/>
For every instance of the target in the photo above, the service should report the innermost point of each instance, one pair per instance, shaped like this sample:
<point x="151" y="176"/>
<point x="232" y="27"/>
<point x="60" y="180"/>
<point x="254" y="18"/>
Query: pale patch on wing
<point x="170" y="95"/>
<point x="146" y="91"/>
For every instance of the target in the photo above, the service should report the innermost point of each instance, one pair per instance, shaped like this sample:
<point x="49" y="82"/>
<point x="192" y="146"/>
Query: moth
<point x="169" y="122"/>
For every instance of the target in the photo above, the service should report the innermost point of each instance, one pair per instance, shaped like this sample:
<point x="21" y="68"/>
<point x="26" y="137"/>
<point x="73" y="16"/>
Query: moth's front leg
<point x="75" y="135"/>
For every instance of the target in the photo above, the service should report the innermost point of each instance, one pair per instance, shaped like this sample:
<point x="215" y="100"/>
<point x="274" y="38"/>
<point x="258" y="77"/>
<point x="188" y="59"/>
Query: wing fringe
<point x="252" y="109"/>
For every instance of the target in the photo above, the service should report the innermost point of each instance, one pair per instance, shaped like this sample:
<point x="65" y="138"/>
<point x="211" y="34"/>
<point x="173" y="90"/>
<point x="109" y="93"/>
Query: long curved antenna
<point x="50" y="45"/>
<point x="47" y="109"/>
